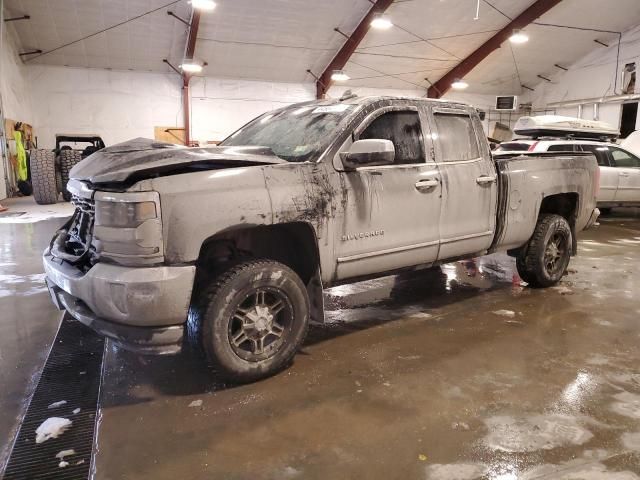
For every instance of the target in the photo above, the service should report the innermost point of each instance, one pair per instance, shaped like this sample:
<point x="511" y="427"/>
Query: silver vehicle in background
<point x="619" y="164"/>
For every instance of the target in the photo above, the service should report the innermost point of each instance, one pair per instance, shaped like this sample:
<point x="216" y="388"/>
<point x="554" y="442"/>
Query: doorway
<point x="629" y="118"/>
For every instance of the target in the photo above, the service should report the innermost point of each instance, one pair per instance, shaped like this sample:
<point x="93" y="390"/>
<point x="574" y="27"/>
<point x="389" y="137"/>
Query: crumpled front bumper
<point x="142" y="308"/>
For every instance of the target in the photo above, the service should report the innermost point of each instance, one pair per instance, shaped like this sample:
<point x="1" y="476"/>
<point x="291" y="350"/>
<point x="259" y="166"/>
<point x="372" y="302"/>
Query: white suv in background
<point x="619" y="168"/>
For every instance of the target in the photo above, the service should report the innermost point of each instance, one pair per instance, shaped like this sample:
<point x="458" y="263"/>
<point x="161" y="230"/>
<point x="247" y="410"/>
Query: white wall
<point x="117" y="105"/>
<point x="221" y="106"/>
<point x="592" y="77"/>
<point x="122" y="105"/>
<point x="14" y="87"/>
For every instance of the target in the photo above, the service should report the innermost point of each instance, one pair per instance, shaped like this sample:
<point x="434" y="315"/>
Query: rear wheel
<point x="254" y="318"/>
<point x="547" y="255"/>
<point x="68" y="159"/>
<point x="43" y="176"/>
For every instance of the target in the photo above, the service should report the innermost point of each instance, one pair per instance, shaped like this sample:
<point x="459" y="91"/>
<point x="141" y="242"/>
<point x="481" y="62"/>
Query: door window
<point x="567" y="147"/>
<point x="403" y="129"/>
<point x="457" y="137"/>
<point x="599" y="152"/>
<point x="624" y="159"/>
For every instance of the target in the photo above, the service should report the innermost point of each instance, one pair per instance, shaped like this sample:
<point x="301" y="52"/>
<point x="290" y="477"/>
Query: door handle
<point x="427" y="184"/>
<point x="485" y="179"/>
<point x="623" y="174"/>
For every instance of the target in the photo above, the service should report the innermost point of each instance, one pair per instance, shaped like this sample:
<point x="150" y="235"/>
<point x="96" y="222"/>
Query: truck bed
<point x="529" y="182"/>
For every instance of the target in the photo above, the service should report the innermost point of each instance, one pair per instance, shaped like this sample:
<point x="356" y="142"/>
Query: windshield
<point x="295" y="134"/>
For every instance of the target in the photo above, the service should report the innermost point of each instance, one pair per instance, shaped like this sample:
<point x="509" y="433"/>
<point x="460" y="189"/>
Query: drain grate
<point x="72" y="373"/>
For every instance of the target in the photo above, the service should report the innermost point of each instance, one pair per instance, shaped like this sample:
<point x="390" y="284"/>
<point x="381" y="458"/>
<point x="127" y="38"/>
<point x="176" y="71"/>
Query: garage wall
<point x="117" y="105"/>
<point x="592" y="77"/>
<point x="122" y="105"/>
<point x="14" y="88"/>
<point x="221" y="106"/>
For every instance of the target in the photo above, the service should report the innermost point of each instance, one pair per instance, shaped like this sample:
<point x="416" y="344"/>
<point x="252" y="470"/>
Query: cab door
<point x="391" y="212"/>
<point x="628" y="168"/>
<point x="469" y="183"/>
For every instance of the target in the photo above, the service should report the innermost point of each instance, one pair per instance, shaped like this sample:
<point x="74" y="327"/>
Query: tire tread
<point x="43" y="176"/>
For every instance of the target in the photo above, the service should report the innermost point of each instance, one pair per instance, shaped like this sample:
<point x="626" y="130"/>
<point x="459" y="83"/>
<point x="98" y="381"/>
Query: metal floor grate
<point x="72" y="373"/>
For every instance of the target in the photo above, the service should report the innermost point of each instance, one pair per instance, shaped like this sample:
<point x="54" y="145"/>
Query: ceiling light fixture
<point x="381" y="23"/>
<point x="203" y="4"/>
<point x="339" y="76"/>
<point x="459" y="84"/>
<point x="518" y="36"/>
<point x="189" y="65"/>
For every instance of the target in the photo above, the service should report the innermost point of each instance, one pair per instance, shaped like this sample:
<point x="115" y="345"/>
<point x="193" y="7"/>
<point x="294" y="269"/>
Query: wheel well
<point x="293" y="244"/>
<point x="565" y="205"/>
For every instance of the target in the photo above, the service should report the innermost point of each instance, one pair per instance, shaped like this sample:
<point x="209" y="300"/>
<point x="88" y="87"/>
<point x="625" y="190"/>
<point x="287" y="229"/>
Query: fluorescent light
<point x="191" y="66"/>
<point x="339" y="76"/>
<point x="381" y="23"/>
<point x="459" y="84"/>
<point x="519" y="36"/>
<point x="203" y="4"/>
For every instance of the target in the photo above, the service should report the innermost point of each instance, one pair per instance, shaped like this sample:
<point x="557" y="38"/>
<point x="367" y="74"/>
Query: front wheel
<point x="546" y="257"/>
<point x="254" y="318"/>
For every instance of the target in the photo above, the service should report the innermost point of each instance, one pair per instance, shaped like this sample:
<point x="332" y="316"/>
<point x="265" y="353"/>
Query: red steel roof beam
<point x="189" y="51"/>
<point x="344" y="54"/>
<point x="537" y="9"/>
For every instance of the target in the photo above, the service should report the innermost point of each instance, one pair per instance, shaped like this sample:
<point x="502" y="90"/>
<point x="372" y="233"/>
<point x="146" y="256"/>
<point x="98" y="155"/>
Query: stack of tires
<point x="50" y="173"/>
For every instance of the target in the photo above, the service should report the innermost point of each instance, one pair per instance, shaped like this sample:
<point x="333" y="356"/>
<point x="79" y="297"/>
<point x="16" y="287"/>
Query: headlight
<point x="127" y="228"/>
<point x="124" y="214"/>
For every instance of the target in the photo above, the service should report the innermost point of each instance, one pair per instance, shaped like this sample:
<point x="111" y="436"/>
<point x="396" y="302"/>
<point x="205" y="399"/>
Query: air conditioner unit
<point x="507" y="102"/>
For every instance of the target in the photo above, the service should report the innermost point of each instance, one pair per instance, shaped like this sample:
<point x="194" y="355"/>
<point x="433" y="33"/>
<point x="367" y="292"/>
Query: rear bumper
<point x="142" y="308"/>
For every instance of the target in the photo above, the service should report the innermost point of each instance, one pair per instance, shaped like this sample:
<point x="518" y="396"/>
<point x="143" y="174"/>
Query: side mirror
<point x="368" y="153"/>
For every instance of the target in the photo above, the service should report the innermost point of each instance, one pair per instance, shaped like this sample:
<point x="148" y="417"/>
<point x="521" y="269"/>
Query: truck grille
<point x="80" y="232"/>
<point x="85" y="205"/>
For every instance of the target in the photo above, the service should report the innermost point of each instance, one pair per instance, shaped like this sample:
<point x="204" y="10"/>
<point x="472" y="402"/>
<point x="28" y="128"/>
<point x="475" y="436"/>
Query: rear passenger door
<point x="628" y="167"/>
<point x="609" y="177"/>
<point x="469" y="183"/>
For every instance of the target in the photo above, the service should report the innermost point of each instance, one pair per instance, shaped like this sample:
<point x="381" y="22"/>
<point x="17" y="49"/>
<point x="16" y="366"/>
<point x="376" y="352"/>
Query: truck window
<point x="599" y="152"/>
<point x="403" y="129"/>
<point x="456" y="137"/>
<point x="624" y="159"/>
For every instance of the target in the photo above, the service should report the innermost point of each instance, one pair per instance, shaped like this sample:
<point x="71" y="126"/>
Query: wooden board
<point x="169" y="134"/>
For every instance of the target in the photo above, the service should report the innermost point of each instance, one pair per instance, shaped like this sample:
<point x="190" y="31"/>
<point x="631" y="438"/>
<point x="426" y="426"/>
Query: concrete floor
<point x="453" y="373"/>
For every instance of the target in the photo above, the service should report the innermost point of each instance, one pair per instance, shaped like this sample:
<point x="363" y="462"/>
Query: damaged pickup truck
<point x="231" y="246"/>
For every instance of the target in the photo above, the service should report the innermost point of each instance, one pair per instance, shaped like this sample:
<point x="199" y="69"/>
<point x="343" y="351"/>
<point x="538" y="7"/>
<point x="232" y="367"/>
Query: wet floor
<point x="452" y="373"/>
<point x="458" y="372"/>
<point x="28" y="320"/>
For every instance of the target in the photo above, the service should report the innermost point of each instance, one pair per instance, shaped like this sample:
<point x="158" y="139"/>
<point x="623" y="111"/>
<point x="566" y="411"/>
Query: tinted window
<point x="624" y="159"/>
<point x="513" y="147"/>
<point x="561" y="148"/>
<point x="457" y="137"/>
<point x="599" y="152"/>
<point x="403" y="129"/>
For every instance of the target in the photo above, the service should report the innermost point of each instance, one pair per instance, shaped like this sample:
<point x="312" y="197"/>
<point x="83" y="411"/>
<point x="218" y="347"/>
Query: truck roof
<point x="358" y="100"/>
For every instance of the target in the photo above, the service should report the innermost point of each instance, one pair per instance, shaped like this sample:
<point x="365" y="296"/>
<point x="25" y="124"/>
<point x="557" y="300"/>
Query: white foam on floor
<point x="52" y="427"/>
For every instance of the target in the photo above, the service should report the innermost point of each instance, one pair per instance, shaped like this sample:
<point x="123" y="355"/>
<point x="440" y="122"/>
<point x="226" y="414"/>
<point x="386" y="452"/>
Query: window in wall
<point x="456" y="137"/>
<point x="403" y="129"/>
<point x="624" y="159"/>
<point x="599" y="152"/>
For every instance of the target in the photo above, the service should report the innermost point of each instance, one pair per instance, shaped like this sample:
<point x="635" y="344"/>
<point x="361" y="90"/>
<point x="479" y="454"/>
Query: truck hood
<point x="142" y="158"/>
